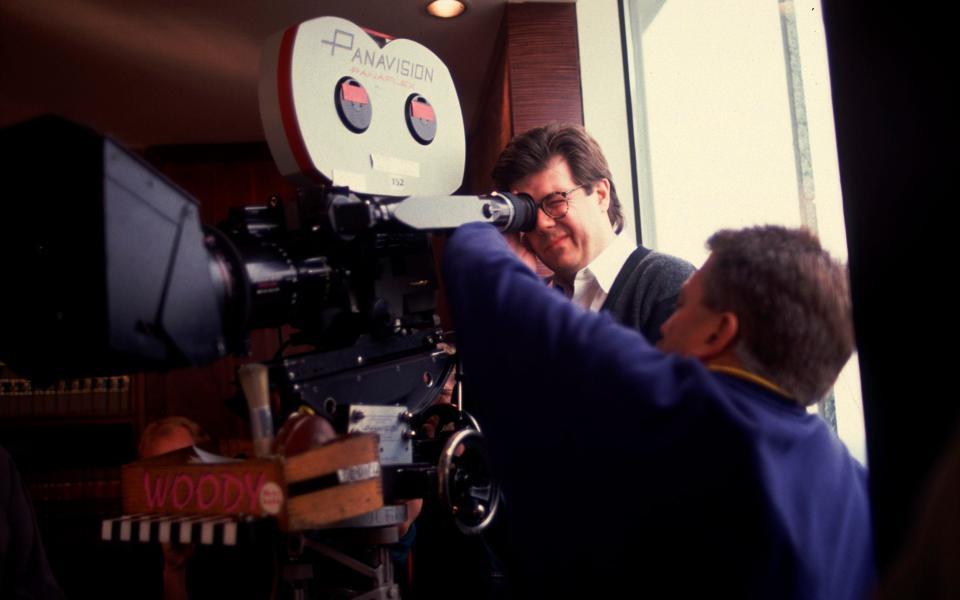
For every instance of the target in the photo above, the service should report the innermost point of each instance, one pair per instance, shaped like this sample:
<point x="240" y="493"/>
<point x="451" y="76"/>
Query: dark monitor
<point x="104" y="265"/>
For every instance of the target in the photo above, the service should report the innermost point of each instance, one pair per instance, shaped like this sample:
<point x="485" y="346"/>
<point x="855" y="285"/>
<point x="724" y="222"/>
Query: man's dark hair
<point x="529" y="153"/>
<point x="792" y="302"/>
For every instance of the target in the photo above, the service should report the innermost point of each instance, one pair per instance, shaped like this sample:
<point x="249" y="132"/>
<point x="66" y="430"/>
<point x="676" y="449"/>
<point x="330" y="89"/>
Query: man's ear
<point x="723" y="335"/>
<point x="602" y="190"/>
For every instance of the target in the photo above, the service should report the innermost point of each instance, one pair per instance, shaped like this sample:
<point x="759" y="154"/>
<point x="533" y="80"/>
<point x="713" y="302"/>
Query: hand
<point x="522" y="250"/>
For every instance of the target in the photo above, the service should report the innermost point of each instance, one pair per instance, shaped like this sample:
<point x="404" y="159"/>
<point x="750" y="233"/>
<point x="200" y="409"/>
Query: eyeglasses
<point x="557" y="204"/>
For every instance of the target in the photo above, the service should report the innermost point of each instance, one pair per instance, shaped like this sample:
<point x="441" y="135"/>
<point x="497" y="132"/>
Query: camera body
<point x="113" y="272"/>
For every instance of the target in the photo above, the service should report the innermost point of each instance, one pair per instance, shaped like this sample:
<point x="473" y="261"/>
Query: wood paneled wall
<point x="534" y="80"/>
<point x="543" y="65"/>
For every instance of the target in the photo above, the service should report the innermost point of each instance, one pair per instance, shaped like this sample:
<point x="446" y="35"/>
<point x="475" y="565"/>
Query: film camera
<point x="112" y="271"/>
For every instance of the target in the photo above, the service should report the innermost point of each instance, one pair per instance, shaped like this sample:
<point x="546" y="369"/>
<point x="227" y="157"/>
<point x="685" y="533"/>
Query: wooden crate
<point x="324" y="485"/>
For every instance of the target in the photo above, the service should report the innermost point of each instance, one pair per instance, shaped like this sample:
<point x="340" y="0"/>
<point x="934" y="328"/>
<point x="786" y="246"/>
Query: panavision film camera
<point x="108" y="270"/>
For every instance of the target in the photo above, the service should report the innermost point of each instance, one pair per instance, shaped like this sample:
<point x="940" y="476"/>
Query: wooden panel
<point x="334" y="504"/>
<point x="345" y="451"/>
<point x="221" y="176"/>
<point x="534" y="80"/>
<point x="543" y="65"/>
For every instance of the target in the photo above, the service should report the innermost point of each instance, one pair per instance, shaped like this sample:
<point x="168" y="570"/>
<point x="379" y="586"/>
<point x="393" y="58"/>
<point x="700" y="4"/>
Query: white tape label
<point x="394" y="165"/>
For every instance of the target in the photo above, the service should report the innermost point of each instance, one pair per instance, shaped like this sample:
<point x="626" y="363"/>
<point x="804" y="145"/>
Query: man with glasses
<point x="579" y="218"/>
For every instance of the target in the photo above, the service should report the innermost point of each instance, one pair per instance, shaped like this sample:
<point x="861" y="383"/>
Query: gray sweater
<point x="645" y="291"/>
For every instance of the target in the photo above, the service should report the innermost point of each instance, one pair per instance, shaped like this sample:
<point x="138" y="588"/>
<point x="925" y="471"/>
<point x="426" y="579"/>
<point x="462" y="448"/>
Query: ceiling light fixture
<point x="446" y="9"/>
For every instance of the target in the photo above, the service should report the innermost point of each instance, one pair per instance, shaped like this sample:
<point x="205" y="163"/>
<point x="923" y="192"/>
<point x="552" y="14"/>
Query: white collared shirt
<point x="592" y="284"/>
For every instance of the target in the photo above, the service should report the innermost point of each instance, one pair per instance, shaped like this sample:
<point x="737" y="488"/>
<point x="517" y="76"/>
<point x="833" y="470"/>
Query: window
<point x="733" y="126"/>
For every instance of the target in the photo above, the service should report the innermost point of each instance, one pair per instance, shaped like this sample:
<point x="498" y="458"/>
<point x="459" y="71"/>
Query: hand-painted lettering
<point x="213" y="486"/>
<point x="182" y="482"/>
<point x="204" y="491"/>
<point x="156" y="493"/>
<point x="232" y="482"/>
<point x="253" y="488"/>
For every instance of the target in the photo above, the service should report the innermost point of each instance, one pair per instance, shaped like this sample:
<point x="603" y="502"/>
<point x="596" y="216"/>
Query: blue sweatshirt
<point x="630" y="472"/>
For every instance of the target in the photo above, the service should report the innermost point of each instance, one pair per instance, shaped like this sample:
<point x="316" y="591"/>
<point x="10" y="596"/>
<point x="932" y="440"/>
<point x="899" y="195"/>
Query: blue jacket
<point x="626" y="470"/>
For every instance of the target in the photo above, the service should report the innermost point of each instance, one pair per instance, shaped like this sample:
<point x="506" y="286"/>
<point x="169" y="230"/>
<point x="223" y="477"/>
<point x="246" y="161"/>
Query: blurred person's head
<point x="169" y="434"/>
